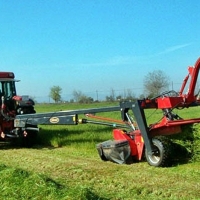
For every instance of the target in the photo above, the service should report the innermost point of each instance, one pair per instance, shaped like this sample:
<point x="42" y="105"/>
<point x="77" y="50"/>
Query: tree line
<point x="154" y="84"/>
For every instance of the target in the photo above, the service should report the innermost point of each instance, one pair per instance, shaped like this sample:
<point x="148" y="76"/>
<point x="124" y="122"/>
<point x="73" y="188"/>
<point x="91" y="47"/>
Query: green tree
<point x="81" y="98"/>
<point x="111" y="98"/>
<point x="129" y="95"/>
<point x="55" y="93"/>
<point x="77" y="95"/>
<point x="155" y="83"/>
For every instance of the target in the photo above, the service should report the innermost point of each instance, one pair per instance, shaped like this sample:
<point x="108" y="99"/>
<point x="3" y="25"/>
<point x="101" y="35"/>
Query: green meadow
<point x="64" y="164"/>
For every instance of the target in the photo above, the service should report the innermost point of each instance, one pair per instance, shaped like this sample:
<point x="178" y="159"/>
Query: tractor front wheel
<point x="162" y="152"/>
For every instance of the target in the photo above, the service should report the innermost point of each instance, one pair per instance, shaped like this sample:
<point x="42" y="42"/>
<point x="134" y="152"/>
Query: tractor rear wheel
<point x="162" y="155"/>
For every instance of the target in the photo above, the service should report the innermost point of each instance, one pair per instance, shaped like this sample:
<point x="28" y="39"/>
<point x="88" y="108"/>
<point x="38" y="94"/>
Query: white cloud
<point x="174" y="48"/>
<point x="130" y="59"/>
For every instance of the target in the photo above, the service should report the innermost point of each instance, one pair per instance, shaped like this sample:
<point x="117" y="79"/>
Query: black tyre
<point x="162" y="154"/>
<point x="30" y="138"/>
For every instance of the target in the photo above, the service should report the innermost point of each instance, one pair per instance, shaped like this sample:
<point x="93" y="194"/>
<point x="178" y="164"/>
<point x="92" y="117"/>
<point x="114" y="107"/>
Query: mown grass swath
<point x="65" y="164"/>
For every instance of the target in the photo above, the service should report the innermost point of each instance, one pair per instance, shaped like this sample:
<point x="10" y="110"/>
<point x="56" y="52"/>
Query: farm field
<point x="64" y="164"/>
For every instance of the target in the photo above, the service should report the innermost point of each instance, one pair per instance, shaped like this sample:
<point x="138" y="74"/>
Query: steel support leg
<point x="142" y="124"/>
<point x="140" y="119"/>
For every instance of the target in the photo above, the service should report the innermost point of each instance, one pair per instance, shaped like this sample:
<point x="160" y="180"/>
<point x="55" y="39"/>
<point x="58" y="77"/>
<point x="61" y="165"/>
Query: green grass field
<point x="65" y="165"/>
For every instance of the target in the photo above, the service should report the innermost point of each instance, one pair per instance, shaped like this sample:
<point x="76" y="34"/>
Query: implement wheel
<point x="162" y="155"/>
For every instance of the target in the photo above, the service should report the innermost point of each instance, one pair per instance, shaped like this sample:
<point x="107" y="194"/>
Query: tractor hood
<point x="23" y="100"/>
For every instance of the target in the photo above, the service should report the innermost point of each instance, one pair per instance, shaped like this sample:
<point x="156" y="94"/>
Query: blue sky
<point x="96" y="45"/>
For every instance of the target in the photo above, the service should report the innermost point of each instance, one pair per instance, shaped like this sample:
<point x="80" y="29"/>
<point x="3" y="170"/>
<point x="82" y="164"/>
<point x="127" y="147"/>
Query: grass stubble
<point x="65" y="165"/>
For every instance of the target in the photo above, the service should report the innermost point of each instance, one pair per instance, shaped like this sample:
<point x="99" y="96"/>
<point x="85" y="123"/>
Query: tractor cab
<point x="10" y="102"/>
<point x="7" y="89"/>
<point x="7" y="85"/>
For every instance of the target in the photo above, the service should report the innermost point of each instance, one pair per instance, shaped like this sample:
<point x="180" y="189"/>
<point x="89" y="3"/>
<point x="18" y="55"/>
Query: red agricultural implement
<point x="132" y="138"/>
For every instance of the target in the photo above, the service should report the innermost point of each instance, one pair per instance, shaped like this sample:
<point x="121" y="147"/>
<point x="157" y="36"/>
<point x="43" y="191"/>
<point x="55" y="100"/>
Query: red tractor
<point x="11" y="105"/>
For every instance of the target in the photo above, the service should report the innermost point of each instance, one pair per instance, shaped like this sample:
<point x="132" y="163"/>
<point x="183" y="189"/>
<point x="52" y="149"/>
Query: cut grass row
<point x="65" y="165"/>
